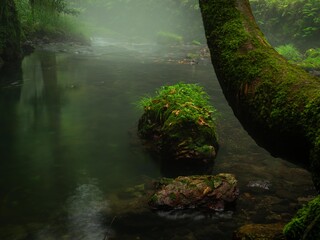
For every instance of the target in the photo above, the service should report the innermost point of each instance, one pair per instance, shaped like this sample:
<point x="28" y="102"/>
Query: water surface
<point x="68" y="144"/>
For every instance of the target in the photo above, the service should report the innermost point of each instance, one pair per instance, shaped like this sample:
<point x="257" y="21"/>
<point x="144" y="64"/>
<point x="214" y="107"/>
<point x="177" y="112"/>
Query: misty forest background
<point x="291" y="26"/>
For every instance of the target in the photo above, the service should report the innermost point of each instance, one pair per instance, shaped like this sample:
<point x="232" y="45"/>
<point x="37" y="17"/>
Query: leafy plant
<point x="181" y="120"/>
<point x="47" y="18"/>
<point x="180" y="103"/>
<point x="290" y="52"/>
<point x="309" y="60"/>
<point x="298" y="20"/>
<point x="312" y="59"/>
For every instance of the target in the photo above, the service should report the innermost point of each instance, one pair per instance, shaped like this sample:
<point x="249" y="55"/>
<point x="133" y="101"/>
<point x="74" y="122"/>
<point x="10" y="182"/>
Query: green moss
<point x="180" y="120"/>
<point x="214" y="182"/>
<point x="172" y="196"/>
<point x="154" y="198"/>
<point x="259" y="82"/>
<point x="306" y="223"/>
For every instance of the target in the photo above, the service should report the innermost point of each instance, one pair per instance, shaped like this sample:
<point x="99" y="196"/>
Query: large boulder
<point x="207" y="191"/>
<point x="178" y="123"/>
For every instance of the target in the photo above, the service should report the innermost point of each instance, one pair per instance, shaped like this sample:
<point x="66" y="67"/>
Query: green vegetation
<point x="180" y="122"/>
<point x="167" y="38"/>
<point x="49" y="19"/>
<point x="309" y="60"/>
<point x="290" y="52"/>
<point x="306" y="224"/>
<point x="297" y="20"/>
<point x="195" y="42"/>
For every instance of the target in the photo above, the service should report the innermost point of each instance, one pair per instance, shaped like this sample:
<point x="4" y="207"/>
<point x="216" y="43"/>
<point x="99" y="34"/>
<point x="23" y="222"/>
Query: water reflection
<point x="82" y="218"/>
<point x="86" y="212"/>
<point x="10" y="91"/>
<point x="72" y="119"/>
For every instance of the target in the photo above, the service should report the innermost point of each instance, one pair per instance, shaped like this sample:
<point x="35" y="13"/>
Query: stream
<point x="69" y="149"/>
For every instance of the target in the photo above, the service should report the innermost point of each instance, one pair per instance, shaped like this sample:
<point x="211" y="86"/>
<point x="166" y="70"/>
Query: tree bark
<point x="10" y="50"/>
<point x="267" y="94"/>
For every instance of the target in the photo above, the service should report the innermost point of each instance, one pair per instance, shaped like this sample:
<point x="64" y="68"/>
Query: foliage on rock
<point x="207" y="191"/>
<point x="180" y="122"/>
<point x="306" y="223"/>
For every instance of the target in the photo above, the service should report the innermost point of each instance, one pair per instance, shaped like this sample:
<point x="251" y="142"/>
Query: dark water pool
<point x="68" y="147"/>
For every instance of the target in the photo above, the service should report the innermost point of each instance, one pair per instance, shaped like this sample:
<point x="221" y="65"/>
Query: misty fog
<point x="142" y="20"/>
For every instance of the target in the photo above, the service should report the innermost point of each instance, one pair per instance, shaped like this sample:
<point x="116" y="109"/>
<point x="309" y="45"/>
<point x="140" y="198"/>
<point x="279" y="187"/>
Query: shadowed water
<point x="68" y="145"/>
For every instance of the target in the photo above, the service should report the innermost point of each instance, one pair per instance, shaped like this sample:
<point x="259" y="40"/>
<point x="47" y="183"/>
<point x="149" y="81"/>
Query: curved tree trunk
<point x="268" y="95"/>
<point x="10" y="50"/>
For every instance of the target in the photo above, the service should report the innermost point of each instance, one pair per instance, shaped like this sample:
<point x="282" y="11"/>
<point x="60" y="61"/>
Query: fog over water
<point x="71" y="161"/>
<point x="140" y="20"/>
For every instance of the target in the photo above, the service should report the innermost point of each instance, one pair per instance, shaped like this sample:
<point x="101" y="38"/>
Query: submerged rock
<point x="260" y="232"/>
<point x="208" y="191"/>
<point x="263" y="184"/>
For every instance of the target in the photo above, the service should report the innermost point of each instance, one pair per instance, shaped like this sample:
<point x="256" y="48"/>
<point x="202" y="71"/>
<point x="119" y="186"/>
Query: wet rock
<point x="263" y="184"/>
<point x="260" y="232"/>
<point x="210" y="192"/>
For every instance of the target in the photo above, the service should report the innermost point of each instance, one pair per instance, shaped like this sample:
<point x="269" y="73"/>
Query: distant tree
<point x="10" y="50"/>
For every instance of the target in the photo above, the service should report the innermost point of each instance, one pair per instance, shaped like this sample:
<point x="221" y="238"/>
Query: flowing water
<point x="68" y="146"/>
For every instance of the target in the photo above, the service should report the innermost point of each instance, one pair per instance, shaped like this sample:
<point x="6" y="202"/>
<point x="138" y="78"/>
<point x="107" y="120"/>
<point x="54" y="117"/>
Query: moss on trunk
<point x="281" y="100"/>
<point x="10" y="50"/>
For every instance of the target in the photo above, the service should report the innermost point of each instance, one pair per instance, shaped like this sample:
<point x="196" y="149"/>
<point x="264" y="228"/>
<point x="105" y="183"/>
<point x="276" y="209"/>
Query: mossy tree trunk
<point x="279" y="100"/>
<point x="10" y="50"/>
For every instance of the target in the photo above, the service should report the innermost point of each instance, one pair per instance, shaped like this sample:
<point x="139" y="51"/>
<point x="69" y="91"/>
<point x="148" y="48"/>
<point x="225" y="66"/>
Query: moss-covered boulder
<point x="179" y="124"/>
<point x="306" y="223"/>
<point x="207" y="191"/>
<point x="260" y="232"/>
